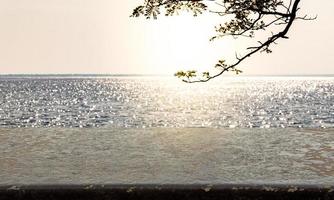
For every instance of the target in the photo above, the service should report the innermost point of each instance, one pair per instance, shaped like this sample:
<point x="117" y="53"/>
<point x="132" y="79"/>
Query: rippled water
<point x="141" y="102"/>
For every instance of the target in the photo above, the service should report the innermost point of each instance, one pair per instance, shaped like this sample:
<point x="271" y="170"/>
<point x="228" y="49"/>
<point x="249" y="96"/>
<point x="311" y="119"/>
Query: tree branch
<point x="249" y="16"/>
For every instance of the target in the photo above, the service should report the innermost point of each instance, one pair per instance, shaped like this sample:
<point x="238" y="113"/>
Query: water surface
<point x="143" y="102"/>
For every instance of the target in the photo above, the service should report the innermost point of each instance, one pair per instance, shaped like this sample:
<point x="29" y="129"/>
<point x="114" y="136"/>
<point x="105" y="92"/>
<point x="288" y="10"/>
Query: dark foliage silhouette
<point x="246" y="18"/>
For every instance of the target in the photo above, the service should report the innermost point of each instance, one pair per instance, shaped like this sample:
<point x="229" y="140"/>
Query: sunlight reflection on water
<point x="142" y="102"/>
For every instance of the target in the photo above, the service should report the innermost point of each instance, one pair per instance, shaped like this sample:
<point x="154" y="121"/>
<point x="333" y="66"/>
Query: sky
<point x="98" y="36"/>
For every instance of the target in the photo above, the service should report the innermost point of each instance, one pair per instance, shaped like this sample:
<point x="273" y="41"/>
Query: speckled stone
<point x="166" y="156"/>
<point x="190" y="163"/>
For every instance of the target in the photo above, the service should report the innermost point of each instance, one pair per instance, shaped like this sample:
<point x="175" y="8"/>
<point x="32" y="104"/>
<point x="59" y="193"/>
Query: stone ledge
<point x="165" y="192"/>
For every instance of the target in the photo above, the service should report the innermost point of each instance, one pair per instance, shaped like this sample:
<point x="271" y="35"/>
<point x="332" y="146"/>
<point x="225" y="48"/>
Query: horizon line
<point x="149" y="75"/>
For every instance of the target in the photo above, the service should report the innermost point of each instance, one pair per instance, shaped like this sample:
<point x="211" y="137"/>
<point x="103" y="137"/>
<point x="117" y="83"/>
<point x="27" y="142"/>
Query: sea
<point x="83" y="101"/>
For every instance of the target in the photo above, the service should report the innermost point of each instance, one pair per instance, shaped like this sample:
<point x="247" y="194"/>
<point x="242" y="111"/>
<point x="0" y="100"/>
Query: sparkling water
<point x="143" y="102"/>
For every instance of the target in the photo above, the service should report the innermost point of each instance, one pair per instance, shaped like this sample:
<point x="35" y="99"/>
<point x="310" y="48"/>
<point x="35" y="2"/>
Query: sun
<point x="182" y="43"/>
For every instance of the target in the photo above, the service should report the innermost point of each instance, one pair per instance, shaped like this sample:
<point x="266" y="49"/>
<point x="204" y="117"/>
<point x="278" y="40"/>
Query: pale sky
<point x="98" y="36"/>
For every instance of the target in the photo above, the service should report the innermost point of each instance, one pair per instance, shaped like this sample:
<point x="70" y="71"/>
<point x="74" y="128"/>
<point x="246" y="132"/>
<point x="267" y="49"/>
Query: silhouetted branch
<point x="249" y="16"/>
